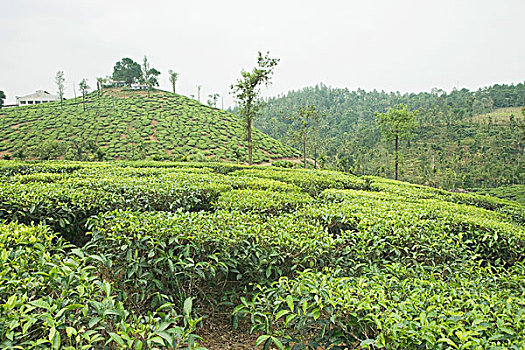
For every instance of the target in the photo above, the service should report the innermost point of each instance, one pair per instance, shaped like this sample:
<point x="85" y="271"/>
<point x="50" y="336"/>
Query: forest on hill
<point x="463" y="139"/>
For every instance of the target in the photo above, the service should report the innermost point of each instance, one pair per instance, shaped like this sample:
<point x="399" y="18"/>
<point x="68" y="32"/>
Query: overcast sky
<point x="409" y="45"/>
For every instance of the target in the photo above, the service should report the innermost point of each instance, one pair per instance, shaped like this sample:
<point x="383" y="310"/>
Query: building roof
<point x="39" y="95"/>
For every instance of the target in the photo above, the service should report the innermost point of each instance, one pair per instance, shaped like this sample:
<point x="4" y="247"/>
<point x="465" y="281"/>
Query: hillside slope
<point x="130" y="125"/>
<point x="464" y="139"/>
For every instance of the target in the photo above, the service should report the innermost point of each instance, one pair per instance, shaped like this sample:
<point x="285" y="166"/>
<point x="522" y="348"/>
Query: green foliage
<point x="302" y="124"/>
<point x="131" y="126"/>
<point x="83" y="86"/>
<point x="247" y="94"/>
<point x="396" y="124"/>
<point x="512" y="192"/>
<point x="2" y="98"/>
<point x="310" y="259"/>
<point x="60" y="80"/>
<point x="126" y="70"/>
<point x="66" y="203"/>
<point x="393" y="307"/>
<point x="454" y="145"/>
<point x="52" y="297"/>
<point x="184" y="254"/>
<point x="263" y="201"/>
<point x="173" y="78"/>
<point x="149" y="75"/>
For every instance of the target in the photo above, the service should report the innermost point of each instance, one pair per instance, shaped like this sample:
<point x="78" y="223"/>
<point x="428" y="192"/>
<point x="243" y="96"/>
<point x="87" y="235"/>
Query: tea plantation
<point x="140" y="255"/>
<point x="130" y="125"/>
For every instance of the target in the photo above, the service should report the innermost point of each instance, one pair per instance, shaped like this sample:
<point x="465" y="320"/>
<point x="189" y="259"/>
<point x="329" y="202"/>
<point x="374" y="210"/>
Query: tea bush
<point x="310" y="259"/>
<point x="51" y="296"/>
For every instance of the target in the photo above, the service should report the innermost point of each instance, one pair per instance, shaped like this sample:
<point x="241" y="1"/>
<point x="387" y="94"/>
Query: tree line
<point x="454" y="141"/>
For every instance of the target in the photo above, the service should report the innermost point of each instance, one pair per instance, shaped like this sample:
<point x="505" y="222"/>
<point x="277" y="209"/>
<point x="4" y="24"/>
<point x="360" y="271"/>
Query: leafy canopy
<point x="247" y="90"/>
<point x="149" y="75"/>
<point x="127" y="70"/>
<point x="396" y="122"/>
<point x="173" y="78"/>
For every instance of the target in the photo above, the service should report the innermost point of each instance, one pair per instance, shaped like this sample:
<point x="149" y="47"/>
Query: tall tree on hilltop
<point x="395" y="124"/>
<point x="100" y="84"/>
<point x="60" y="80"/>
<point x="126" y="70"/>
<point x="199" y="87"/>
<point x="2" y="98"/>
<point x="84" y="87"/>
<point x="302" y="125"/>
<point x="247" y="93"/>
<point x="173" y="78"/>
<point x="149" y="75"/>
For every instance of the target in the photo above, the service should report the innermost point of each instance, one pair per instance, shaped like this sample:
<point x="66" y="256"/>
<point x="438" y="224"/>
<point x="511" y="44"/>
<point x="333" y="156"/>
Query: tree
<point x="522" y="125"/>
<point x="49" y="149"/>
<point x="173" y="78"/>
<point x="83" y="86"/>
<point x="100" y="83"/>
<point x="149" y="75"/>
<point x="303" y="122"/>
<point x="199" y="87"/>
<point x="126" y="70"/>
<point x="395" y="124"/>
<point x="212" y="100"/>
<point x="2" y="98"/>
<point x="247" y="93"/>
<point x="60" y="80"/>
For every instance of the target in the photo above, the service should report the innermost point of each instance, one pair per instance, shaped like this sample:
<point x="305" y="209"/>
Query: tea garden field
<point x="139" y="255"/>
<point x="131" y="125"/>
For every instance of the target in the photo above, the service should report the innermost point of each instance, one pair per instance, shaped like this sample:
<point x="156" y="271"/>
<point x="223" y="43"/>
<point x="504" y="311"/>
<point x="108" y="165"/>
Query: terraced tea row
<point x="130" y="125"/>
<point x="310" y="259"/>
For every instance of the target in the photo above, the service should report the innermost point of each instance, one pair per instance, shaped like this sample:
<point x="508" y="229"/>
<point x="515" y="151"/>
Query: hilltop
<point x="133" y="125"/>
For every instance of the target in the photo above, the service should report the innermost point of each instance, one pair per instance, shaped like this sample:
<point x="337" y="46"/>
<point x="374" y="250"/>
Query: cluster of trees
<point x="447" y="145"/>
<point x="2" y="98"/>
<point x="131" y="72"/>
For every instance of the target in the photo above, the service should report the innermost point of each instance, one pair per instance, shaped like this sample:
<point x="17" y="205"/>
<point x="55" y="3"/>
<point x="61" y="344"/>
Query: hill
<point x="464" y="139"/>
<point x="299" y="259"/>
<point x="122" y="124"/>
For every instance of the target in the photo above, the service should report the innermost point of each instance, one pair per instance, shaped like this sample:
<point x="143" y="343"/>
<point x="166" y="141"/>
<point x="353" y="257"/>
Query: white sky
<point x="405" y="45"/>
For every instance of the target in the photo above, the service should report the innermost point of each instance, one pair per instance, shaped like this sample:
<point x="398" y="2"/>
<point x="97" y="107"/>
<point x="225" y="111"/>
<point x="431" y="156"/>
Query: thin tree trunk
<point x="304" y="150"/>
<point x="250" y="159"/>
<point x="396" y="156"/>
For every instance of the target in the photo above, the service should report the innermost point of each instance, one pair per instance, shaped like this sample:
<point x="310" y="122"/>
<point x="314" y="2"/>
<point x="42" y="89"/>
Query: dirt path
<point x="219" y="334"/>
<point x="290" y="159"/>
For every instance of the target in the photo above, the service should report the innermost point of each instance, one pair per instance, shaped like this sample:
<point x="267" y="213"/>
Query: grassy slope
<point x="500" y="116"/>
<point x="133" y="125"/>
<point x="511" y="192"/>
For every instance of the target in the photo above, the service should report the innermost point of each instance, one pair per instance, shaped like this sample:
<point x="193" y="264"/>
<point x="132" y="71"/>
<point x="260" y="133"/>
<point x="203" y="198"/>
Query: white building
<point x="139" y="87"/>
<point x="109" y="83"/>
<point x="40" y="96"/>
